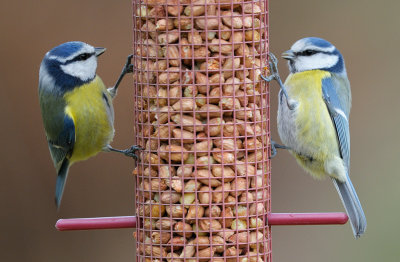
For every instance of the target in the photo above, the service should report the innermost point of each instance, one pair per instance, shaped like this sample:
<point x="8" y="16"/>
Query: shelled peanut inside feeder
<point x="202" y="115"/>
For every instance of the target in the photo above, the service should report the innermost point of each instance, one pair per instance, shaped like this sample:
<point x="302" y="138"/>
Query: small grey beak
<point x="99" y="50"/>
<point x="289" y="55"/>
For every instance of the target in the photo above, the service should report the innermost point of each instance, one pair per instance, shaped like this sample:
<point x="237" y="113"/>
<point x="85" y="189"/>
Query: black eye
<point x="308" y="52"/>
<point x="83" y="56"/>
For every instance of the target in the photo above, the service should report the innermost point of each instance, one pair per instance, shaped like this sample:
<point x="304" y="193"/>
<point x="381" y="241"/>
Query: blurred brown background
<point x="367" y="34"/>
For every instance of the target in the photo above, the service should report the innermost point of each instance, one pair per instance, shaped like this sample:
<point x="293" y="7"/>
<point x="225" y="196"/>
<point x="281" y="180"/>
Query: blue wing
<point x="340" y="116"/>
<point x="62" y="146"/>
<point x="61" y="149"/>
<point x="339" y="107"/>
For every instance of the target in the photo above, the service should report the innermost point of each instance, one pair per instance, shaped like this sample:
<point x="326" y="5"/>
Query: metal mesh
<point x="202" y="115"/>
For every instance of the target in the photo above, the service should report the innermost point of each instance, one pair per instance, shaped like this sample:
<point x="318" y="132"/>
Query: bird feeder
<point x="201" y="115"/>
<point x="202" y="111"/>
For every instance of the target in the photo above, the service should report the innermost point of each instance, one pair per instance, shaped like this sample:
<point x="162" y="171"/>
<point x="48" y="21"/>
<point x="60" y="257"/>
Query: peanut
<point x="188" y="122"/>
<point x="185" y="104"/>
<point x="168" y="38"/>
<point x="183" y="23"/>
<point x="229" y="66"/>
<point x="160" y="238"/>
<point x="239" y="185"/>
<point x="176" y="211"/>
<point x="177" y="242"/>
<point x="220" y="45"/>
<point x="188" y="251"/>
<point x="194" y="212"/>
<point x="211" y="23"/>
<point x="204" y="195"/>
<point x="205" y="176"/>
<point x="223" y="157"/>
<point x="209" y="225"/>
<point x="172" y="54"/>
<point x="232" y="19"/>
<point x="174" y="8"/>
<point x="215" y="240"/>
<point x="184" y="171"/>
<point x="194" y="38"/>
<point x="173" y="257"/>
<point x="196" y="9"/>
<point x="183" y="135"/>
<point x="187" y="199"/>
<point x="183" y="229"/>
<point x="225" y="173"/>
<point x="165" y="223"/>
<point x="202" y="241"/>
<point x="220" y="193"/>
<point x="202" y="148"/>
<point x="227" y="217"/>
<point x="251" y="8"/>
<point x="170" y="197"/>
<point x="205" y="254"/>
<point x="164" y="24"/>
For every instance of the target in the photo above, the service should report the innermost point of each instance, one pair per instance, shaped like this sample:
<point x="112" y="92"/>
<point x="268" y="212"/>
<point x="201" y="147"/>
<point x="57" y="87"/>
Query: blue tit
<point x="77" y="109"/>
<point x="313" y="117"/>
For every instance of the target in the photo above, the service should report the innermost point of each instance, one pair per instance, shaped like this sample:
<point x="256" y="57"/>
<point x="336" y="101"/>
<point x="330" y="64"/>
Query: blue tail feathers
<point x="352" y="205"/>
<point x="61" y="179"/>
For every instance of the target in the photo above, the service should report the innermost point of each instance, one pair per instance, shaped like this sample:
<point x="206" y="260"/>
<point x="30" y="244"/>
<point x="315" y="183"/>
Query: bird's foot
<point x="128" y="68"/>
<point x="274" y="75"/>
<point x="273" y="69"/>
<point x="130" y="152"/>
<point x="275" y="146"/>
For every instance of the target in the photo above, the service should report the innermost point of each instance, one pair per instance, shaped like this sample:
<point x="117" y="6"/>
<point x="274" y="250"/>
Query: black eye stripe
<point x="84" y="56"/>
<point x="311" y="52"/>
<point x="80" y="57"/>
<point x="306" y="53"/>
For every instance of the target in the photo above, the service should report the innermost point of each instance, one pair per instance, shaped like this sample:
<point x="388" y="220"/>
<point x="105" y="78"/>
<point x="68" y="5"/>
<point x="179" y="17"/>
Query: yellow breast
<point x="314" y="127"/>
<point x="93" y="118"/>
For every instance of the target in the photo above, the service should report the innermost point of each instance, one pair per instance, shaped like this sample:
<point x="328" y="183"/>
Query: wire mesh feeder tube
<point x="202" y="117"/>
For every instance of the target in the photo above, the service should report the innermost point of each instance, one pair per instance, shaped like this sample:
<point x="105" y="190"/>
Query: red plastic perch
<point x="276" y="219"/>
<point x="96" y="223"/>
<point x="286" y="219"/>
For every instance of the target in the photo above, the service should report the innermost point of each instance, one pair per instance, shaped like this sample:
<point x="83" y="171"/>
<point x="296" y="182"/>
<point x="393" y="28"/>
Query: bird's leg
<point x="128" y="68"/>
<point x="274" y="74"/>
<point x="274" y="146"/>
<point x="130" y="152"/>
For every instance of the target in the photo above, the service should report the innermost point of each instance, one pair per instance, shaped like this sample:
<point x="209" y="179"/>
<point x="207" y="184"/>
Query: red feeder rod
<point x="275" y="219"/>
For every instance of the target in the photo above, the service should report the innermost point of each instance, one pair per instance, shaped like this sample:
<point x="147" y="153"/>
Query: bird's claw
<point x="131" y="152"/>
<point x="273" y="60"/>
<point x="273" y="150"/>
<point x="274" y="146"/>
<point x="274" y="75"/>
<point x="273" y="69"/>
<point x="128" y="68"/>
<point x="128" y="65"/>
<point x="273" y="65"/>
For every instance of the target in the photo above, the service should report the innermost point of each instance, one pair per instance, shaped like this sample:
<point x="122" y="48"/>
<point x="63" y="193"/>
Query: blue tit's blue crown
<point x="65" y="66"/>
<point x="66" y="49"/>
<point x="319" y="42"/>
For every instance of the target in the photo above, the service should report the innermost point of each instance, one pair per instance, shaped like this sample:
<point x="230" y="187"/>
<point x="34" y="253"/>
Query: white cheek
<point x="317" y="61"/>
<point x="84" y="70"/>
